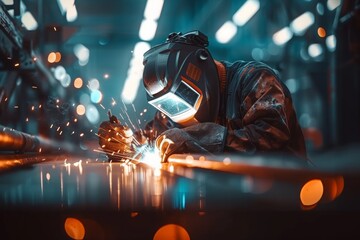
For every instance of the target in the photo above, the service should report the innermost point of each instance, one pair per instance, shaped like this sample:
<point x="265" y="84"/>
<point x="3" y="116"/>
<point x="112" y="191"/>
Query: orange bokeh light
<point x="321" y="32"/>
<point x="80" y="109"/>
<point x="311" y="192"/>
<point x="78" y="83"/>
<point x="74" y="228"/>
<point x="58" y="57"/>
<point x="52" y="57"/>
<point x="171" y="231"/>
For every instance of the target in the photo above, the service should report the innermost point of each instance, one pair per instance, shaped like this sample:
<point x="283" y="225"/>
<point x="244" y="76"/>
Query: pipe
<point x="13" y="140"/>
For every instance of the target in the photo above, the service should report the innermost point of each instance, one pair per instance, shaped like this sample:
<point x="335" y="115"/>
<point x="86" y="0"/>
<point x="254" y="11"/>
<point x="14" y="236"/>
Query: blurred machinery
<point x="33" y="112"/>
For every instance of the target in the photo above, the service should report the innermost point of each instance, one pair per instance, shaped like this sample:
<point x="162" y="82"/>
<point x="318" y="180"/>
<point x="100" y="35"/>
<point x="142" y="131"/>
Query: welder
<point x="209" y="106"/>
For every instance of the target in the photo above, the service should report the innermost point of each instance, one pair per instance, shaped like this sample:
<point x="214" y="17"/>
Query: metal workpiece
<point x="16" y="141"/>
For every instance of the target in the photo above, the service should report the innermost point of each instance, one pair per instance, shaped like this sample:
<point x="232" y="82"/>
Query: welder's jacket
<point x="256" y="111"/>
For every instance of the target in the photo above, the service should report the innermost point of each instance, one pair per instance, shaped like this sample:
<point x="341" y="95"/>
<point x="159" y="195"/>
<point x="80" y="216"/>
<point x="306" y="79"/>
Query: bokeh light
<point x="80" y="109"/>
<point x="311" y="192"/>
<point x="51" y="57"/>
<point x="78" y="83"/>
<point x="171" y="231"/>
<point x="74" y="228"/>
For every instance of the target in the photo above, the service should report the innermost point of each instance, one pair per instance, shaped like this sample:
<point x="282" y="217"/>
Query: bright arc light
<point x="147" y="29"/>
<point x="153" y="9"/>
<point x="245" y="12"/>
<point x="301" y="23"/>
<point x="331" y="43"/>
<point x="282" y="36"/>
<point x="29" y="21"/>
<point x="226" y="32"/>
<point x="315" y="50"/>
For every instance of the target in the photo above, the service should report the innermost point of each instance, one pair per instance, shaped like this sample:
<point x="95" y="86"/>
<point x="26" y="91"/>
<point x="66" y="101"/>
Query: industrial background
<point x="65" y="63"/>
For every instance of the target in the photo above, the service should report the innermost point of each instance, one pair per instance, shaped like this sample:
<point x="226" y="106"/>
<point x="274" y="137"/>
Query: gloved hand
<point x="199" y="138"/>
<point x="115" y="139"/>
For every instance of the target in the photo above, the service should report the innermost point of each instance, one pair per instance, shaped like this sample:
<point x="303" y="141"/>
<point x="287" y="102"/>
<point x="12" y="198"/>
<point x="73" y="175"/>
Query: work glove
<point x="116" y="139"/>
<point x="203" y="138"/>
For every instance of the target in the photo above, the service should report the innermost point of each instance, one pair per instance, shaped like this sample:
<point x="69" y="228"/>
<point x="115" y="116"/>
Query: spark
<point x="145" y="110"/>
<point x="32" y="108"/>
<point x="34" y="87"/>
<point x="102" y="106"/>
<point x="67" y="124"/>
<point x="133" y="107"/>
<point x="6" y="99"/>
<point x="40" y="106"/>
<point x="81" y="134"/>
<point x="51" y="126"/>
<point x="16" y="106"/>
<point x="27" y="119"/>
<point x="72" y="132"/>
<point x="58" y="129"/>
<point x="60" y="132"/>
<point x="40" y="150"/>
<point x="17" y="64"/>
<point x="75" y="120"/>
<point x="113" y="103"/>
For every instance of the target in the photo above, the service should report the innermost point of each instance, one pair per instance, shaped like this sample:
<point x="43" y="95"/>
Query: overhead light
<point x="301" y="23"/>
<point x="65" y="5"/>
<point x="153" y="9"/>
<point x="29" y="21"/>
<point x="82" y="53"/>
<point x="331" y="43"/>
<point x="71" y="14"/>
<point x="332" y="4"/>
<point x="282" y="36"/>
<point x="245" y="12"/>
<point x="226" y="32"/>
<point x="134" y="75"/>
<point x="315" y="50"/>
<point x="147" y="29"/>
<point x="140" y="48"/>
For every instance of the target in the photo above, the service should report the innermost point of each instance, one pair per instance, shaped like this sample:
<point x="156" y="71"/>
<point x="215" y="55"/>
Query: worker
<point x="209" y="106"/>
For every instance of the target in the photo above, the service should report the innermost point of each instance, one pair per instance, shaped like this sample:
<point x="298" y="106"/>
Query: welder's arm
<point x="264" y="122"/>
<point x="199" y="138"/>
<point x="117" y="140"/>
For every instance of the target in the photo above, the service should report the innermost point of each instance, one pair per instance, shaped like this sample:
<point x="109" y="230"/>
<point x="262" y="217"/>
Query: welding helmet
<point x="181" y="79"/>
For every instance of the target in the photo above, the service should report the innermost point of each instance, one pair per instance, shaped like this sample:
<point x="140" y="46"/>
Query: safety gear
<point x="116" y="140"/>
<point x="202" y="138"/>
<point x="256" y="109"/>
<point x="181" y="79"/>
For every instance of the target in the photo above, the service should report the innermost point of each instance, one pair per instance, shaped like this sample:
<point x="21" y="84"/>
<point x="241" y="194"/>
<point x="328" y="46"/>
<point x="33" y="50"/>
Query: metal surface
<point x="133" y="200"/>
